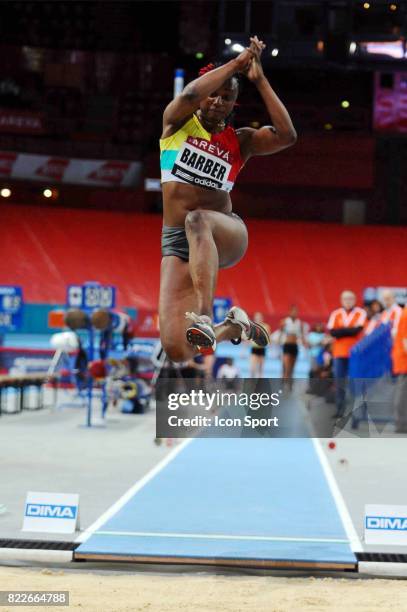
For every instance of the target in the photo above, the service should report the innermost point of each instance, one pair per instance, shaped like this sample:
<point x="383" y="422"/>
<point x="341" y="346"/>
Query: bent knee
<point x="196" y="221"/>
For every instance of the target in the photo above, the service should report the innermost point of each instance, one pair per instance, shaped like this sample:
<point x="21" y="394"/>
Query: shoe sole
<point x="197" y="337"/>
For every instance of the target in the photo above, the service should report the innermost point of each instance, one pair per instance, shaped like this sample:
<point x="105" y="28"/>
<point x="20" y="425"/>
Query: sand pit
<point x="128" y="592"/>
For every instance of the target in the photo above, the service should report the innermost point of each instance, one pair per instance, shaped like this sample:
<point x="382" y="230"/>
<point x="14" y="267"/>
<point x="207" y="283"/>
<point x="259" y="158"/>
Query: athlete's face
<point x="220" y="103"/>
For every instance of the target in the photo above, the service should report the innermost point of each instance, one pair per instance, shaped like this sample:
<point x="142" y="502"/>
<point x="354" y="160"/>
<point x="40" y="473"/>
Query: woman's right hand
<point x="243" y="60"/>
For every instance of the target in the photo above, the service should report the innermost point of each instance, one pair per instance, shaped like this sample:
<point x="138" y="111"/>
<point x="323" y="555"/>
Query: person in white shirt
<point x="229" y="373"/>
<point x="292" y="332"/>
<point x="228" y="370"/>
<point x="392" y="311"/>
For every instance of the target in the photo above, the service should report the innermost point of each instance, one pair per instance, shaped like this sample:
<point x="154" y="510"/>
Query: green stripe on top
<point x="167" y="159"/>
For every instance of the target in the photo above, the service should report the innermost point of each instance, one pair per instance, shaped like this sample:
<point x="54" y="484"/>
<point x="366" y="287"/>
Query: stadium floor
<point x="101" y="464"/>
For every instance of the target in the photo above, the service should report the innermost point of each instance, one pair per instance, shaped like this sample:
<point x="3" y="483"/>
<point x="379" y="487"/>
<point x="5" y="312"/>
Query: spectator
<point x="400" y="369"/>
<point x="258" y="353"/>
<point x="320" y="381"/>
<point x="317" y="340"/>
<point x="320" y="376"/>
<point x="229" y="372"/>
<point x="392" y="311"/>
<point x="228" y="369"/>
<point x="192" y="368"/>
<point x="374" y="314"/>
<point x="345" y="326"/>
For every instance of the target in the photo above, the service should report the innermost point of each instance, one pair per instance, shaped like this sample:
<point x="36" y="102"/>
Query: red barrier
<point x="44" y="249"/>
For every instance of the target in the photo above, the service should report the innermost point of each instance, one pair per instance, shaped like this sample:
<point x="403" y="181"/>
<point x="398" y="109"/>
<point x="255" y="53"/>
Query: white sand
<point x="106" y="592"/>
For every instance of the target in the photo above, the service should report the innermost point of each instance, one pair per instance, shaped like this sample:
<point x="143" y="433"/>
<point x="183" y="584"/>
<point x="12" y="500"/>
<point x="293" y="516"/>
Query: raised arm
<point x="267" y="139"/>
<point x="190" y="98"/>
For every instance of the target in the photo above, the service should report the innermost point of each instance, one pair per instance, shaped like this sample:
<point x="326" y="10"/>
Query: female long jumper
<point x="201" y="156"/>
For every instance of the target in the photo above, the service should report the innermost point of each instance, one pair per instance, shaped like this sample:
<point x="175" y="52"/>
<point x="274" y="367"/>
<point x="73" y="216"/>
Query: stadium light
<point x="237" y="47"/>
<point x="47" y="193"/>
<point x="345" y="103"/>
<point x="352" y="47"/>
<point x="366" y="5"/>
<point x="228" y="41"/>
<point x="5" y="192"/>
<point x="274" y="52"/>
<point x="393" y="7"/>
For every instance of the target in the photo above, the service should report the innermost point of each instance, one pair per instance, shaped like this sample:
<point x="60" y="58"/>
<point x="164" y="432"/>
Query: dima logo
<point x="393" y="523"/>
<point x="50" y="511"/>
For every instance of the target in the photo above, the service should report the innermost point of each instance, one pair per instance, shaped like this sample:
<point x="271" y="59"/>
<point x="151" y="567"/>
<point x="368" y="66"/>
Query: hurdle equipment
<point x="91" y="309"/>
<point x="101" y="319"/>
<point x="77" y="319"/>
<point x="97" y="369"/>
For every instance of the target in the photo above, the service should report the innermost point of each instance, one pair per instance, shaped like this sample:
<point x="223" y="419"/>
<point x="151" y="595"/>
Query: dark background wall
<point x="97" y="76"/>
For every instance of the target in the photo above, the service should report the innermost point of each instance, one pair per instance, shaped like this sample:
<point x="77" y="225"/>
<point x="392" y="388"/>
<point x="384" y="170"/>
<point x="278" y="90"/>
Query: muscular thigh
<point x="230" y="235"/>
<point x="177" y="296"/>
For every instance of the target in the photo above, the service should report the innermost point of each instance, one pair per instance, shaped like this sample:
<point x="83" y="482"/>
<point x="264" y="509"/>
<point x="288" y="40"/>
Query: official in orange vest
<point x="392" y="311"/>
<point x="400" y="369"/>
<point x="346" y="326"/>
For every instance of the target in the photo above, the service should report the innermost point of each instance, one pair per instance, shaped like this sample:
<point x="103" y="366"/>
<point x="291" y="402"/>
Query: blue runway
<point x="247" y="502"/>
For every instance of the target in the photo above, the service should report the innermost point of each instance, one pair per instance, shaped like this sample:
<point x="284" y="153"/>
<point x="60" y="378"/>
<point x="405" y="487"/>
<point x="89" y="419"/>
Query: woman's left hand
<point x="255" y="71"/>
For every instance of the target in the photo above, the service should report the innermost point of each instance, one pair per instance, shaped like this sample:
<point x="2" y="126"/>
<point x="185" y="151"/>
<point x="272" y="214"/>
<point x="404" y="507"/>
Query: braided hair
<point x="210" y="67"/>
<point x="205" y="69"/>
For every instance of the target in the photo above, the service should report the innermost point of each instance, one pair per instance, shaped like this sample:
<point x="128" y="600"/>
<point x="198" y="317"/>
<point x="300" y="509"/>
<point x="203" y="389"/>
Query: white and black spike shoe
<point x="255" y="332"/>
<point x="201" y="334"/>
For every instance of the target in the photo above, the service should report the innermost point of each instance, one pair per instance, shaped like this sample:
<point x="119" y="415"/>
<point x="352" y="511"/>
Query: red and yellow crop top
<point x="194" y="156"/>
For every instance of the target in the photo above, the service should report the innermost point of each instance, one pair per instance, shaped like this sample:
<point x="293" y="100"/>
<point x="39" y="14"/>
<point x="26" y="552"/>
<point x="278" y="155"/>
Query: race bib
<point x="199" y="165"/>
